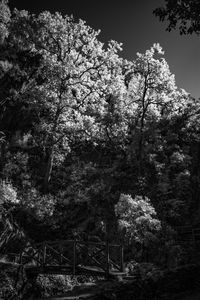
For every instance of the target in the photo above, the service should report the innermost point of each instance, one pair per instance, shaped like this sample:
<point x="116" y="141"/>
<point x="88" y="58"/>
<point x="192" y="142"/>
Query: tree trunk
<point x="48" y="172"/>
<point x="2" y="156"/>
<point x="141" y="144"/>
<point x="141" y="137"/>
<point x="140" y="153"/>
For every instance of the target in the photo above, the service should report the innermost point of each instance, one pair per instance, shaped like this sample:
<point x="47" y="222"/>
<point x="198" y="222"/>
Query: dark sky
<point x="132" y="23"/>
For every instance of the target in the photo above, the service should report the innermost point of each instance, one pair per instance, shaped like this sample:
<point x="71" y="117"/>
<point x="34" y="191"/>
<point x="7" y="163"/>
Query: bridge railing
<point x="107" y="256"/>
<point x="75" y="254"/>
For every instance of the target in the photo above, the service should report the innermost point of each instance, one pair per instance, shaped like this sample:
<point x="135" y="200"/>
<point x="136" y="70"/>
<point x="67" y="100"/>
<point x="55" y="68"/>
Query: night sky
<point x="132" y="23"/>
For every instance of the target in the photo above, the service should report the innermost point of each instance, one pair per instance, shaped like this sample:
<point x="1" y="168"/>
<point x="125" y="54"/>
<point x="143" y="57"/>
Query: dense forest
<point x="92" y="145"/>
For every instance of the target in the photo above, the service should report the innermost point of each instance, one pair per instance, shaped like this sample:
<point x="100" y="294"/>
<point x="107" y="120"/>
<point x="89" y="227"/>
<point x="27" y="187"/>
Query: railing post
<point x="38" y="257"/>
<point x="107" y="258"/>
<point x="61" y="254"/>
<point x="20" y="257"/>
<point x="44" y="254"/>
<point x="121" y="258"/>
<point x="74" y="257"/>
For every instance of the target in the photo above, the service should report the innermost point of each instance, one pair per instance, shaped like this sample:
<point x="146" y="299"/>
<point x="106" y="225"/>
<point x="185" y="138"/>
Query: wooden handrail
<point x="56" y="242"/>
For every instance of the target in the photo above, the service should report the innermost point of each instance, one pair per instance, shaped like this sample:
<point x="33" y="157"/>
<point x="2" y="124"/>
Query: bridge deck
<point x="67" y="270"/>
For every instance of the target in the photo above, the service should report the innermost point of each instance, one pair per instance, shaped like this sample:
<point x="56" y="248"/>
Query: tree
<point x="183" y="14"/>
<point x="77" y="72"/>
<point x="136" y="217"/>
<point x="152" y="95"/>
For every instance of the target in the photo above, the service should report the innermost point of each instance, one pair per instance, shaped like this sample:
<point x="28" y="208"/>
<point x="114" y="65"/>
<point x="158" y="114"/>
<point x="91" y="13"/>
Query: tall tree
<point x="77" y="73"/>
<point x="152" y="95"/>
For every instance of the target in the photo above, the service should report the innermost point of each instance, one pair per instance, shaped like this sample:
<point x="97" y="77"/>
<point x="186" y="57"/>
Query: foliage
<point x="4" y="20"/>
<point x="137" y="217"/>
<point x="10" y="283"/>
<point x="54" y="285"/>
<point x="16" y="168"/>
<point x="144" y="271"/>
<point x="183" y="14"/>
<point x="8" y="194"/>
<point x="41" y="205"/>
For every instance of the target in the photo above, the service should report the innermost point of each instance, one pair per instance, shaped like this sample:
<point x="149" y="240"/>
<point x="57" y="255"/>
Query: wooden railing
<point x="75" y="255"/>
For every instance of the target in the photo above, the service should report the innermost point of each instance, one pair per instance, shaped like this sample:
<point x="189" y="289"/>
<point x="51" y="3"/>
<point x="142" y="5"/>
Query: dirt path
<point x="189" y="296"/>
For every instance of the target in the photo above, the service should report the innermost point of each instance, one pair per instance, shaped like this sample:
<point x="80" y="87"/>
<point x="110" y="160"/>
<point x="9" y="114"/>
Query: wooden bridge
<point x="73" y="257"/>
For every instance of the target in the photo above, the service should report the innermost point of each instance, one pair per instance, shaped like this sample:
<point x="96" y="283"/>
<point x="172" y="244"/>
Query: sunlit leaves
<point x="4" y="20"/>
<point x="137" y="217"/>
<point x="153" y="88"/>
<point x="8" y="194"/>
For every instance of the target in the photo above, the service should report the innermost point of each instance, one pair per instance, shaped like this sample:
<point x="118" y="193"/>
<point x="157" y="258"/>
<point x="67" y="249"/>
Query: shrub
<point x="137" y="218"/>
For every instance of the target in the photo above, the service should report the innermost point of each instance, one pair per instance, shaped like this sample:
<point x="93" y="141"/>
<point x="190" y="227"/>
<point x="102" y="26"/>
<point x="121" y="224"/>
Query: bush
<point x="137" y="219"/>
<point x="51" y="285"/>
